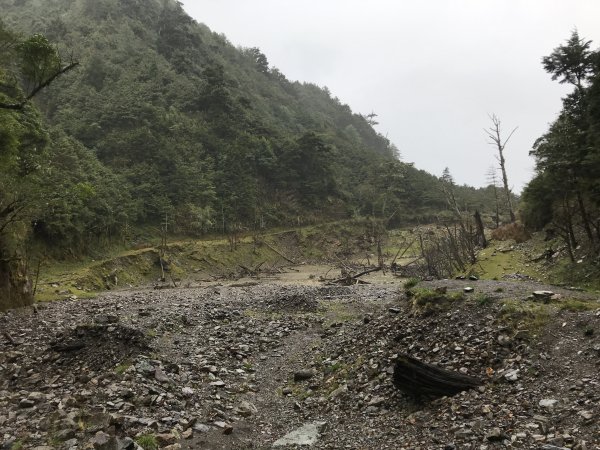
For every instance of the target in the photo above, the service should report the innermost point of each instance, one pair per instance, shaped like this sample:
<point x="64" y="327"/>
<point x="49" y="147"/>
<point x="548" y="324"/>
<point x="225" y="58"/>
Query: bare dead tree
<point x="492" y="180"/>
<point x="494" y="134"/>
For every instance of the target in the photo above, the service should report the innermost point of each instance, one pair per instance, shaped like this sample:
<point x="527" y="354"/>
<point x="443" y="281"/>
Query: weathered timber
<point x="353" y="279"/>
<point x="278" y="252"/>
<point x="422" y="380"/>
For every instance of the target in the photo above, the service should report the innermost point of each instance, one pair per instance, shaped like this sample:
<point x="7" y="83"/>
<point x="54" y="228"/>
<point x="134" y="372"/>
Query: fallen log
<point x="422" y="380"/>
<point x="353" y="279"/>
<point x="291" y="261"/>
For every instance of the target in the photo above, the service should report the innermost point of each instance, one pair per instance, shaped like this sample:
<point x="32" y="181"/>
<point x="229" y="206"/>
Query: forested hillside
<point x="565" y="192"/>
<point x="119" y="114"/>
<point x="192" y="127"/>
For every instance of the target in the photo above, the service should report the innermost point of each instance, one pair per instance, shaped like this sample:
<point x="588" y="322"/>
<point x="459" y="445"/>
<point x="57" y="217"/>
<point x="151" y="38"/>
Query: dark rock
<point x="103" y="319"/>
<point x="26" y="403"/>
<point x="496" y="435"/>
<point x="305" y="374"/>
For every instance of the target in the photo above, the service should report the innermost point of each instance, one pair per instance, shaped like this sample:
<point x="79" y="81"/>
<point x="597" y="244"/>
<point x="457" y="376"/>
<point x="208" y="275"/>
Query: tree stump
<point x="422" y="380"/>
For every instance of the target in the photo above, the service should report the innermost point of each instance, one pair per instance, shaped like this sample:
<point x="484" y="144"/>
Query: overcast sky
<point x="431" y="69"/>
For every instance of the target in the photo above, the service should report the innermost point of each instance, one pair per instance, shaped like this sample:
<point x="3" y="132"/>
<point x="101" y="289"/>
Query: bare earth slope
<point x="227" y="367"/>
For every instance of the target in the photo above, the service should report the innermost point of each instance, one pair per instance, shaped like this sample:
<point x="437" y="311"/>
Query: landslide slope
<point x="239" y="367"/>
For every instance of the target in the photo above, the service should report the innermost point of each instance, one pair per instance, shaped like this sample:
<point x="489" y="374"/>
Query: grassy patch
<point x="585" y="275"/>
<point x="429" y="301"/>
<point x="122" y="368"/>
<point x="339" y="312"/>
<point x="411" y="283"/>
<point x="147" y="441"/>
<point x="483" y="299"/>
<point x="571" y="304"/>
<point x="519" y="314"/>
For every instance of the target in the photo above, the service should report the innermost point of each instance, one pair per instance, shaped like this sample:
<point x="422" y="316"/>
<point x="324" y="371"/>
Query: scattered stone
<point x="188" y="391"/>
<point x="306" y="374"/>
<point x="504" y="340"/>
<point x="547" y="402"/>
<point x="224" y="426"/>
<point x="104" y="441"/>
<point x="245" y="409"/>
<point x="339" y="391"/>
<point x="306" y="435"/>
<point x="67" y="374"/>
<point x="166" y="439"/>
<point x="160" y="376"/>
<point x="496" y="435"/>
<point x="103" y="319"/>
<point x="26" y="403"/>
<point x="201" y="428"/>
<point x="512" y="375"/>
<point x="377" y="401"/>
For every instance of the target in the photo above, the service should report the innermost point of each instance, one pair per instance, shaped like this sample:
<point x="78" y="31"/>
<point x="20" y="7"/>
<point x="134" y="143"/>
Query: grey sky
<point x="431" y="69"/>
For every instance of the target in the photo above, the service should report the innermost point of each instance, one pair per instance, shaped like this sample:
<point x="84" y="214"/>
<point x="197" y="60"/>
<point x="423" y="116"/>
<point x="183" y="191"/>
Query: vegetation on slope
<point x="564" y="195"/>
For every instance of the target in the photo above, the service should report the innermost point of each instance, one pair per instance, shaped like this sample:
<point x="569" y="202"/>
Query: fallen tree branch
<point x="352" y="279"/>
<point x="279" y="253"/>
<point x="419" y="379"/>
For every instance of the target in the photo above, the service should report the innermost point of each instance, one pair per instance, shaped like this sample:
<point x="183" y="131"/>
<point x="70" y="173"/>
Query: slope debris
<point x="226" y="367"/>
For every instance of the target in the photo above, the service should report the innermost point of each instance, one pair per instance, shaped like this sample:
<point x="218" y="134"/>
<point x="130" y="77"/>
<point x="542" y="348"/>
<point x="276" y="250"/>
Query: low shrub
<point x="514" y="231"/>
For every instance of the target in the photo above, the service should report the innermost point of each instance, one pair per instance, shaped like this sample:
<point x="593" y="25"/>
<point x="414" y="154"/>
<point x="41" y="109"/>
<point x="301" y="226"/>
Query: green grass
<point x="122" y="368"/>
<point x="428" y="301"/>
<point x="483" y="299"/>
<point x="570" y="304"/>
<point x="519" y="314"/>
<point x="337" y="311"/>
<point x="147" y="441"/>
<point x="411" y="283"/>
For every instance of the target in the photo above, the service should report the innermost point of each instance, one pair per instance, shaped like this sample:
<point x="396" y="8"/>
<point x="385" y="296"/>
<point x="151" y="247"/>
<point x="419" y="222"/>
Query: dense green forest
<point x="565" y="192"/>
<point x="126" y="113"/>
<point x="163" y="116"/>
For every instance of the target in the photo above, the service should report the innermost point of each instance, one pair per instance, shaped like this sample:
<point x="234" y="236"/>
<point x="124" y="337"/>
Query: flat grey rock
<point x="306" y="435"/>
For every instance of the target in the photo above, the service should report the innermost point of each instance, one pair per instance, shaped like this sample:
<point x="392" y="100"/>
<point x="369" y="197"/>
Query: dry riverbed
<point x="241" y="366"/>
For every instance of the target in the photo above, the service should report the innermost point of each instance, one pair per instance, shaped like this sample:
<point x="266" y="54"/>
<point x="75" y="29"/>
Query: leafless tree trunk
<point x="493" y="181"/>
<point x="480" y="229"/>
<point x="495" y="139"/>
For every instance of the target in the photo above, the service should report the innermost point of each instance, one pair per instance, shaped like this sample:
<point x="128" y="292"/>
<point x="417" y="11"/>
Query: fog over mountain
<point x="431" y="70"/>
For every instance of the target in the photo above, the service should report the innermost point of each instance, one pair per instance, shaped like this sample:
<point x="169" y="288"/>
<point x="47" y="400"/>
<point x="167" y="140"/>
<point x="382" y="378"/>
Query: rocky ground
<point x="225" y="367"/>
